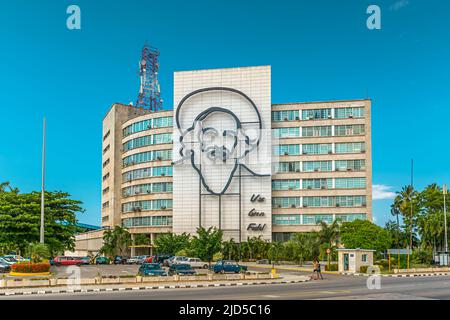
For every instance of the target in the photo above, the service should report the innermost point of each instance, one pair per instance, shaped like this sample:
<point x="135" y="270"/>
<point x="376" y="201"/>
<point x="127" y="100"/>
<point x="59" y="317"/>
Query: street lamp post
<point x="444" y="191"/>
<point x="42" y="185"/>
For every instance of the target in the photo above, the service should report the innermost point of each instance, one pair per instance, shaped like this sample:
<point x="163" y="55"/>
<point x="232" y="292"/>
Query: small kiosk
<point x="351" y="260"/>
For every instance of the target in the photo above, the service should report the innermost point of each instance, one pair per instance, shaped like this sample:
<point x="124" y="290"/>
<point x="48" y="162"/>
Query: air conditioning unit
<point x="305" y="152"/>
<point x="286" y="119"/>
<point x="364" y="205"/>
<point x="148" y="191"/>
<point x="338" y="205"/>
<point x="330" y="152"/>
<point x="159" y="158"/>
<point x="293" y="206"/>
<point x="323" y="187"/>
<point x="316" y="169"/>
<point x="163" y="207"/>
<point x="297" y="118"/>
<point x="286" y="153"/>
<point x="297" y="170"/>
<point x="350" y="116"/>
<point x="329" y="116"/>
<point x="309" y="187"/>
<point x="163" y="174"/>
<point x="305" y="206"/>
<point x="363" y="151"/>
<point x="349" y="169"/>
<point x="278" y="205"/>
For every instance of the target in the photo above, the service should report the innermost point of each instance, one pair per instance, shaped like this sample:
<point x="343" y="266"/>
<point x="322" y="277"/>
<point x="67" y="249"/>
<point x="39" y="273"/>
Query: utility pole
<point x="444" y="191"/>
<point x="411" y="205"/>
<point x="43" y="185"/>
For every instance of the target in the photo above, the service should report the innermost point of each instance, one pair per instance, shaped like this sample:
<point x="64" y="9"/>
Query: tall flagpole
<point x="43" y="185"/>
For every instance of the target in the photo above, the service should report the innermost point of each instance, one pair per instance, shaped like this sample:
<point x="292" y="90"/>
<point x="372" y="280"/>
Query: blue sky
<point x="318" y="50"/>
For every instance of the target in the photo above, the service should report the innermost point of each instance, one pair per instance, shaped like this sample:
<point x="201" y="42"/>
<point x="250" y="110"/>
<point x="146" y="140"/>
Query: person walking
<point x="319" y="272"/>
<point x="315" y="266"/>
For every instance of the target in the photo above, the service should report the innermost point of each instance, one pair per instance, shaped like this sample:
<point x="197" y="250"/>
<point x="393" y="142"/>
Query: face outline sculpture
<point x="221" y="146"/>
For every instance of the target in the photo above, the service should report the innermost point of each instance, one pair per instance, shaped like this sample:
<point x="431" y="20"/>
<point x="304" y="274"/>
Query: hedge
<point x="333" y="267"/>
<point x="30" y="267"/>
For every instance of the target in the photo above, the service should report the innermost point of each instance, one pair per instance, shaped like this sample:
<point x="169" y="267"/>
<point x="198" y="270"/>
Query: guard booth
<point x="351" y="260"/>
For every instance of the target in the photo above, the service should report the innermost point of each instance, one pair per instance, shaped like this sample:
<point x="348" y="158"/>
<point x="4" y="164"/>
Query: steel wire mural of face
<point x="216" y="141"/>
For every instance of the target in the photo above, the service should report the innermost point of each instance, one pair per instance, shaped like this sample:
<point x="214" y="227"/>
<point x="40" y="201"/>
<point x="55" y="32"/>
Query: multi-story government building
<point x="226" y="156"/>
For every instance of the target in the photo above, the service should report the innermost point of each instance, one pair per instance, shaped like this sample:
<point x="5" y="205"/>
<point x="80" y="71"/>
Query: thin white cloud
<point x="399" y="5"/>
<point x="381" y="191"/>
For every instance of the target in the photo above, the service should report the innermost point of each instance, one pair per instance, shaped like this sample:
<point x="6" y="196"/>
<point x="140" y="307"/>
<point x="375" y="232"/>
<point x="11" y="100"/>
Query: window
<point x="315" y="219"/>
<point x="154" y="155"/>
<point x="351" y="217"/>
<point x="106" y="135"/>
<point x="318" y="201"/>
<point x="317" y="131"/>
<point x="351" y="147"/>
<point x="287" y="202"/>
<point x="105" y="219"/>
<point x="364" y="257"/>
<point x="146" y="173"/>
<point x="106" y="176"/>
<point x="287" y="150"/>
<point x="312" y="114"/>
<point x="106" y="149"/>
<point x="349" y="130"/>
<point x="351" y="112"/>
<point x="105" y="163"/>
<point x="147" y="205"/>
<point x="281" y="236"/>
<point x="350" y="201"/>
<point x="310" y="166"/>
<point x="147" y="141"/>
<point x="317" y="148"/>
<point x="317" y="183"/>
<point x="156" y="221"/>
<point x="293" y="166"/>
<point x="154" y="123"/>
<point x="357" y="165"/>
<point x="285" y="115"/>
<point x="158" y="187"/>
<point x="106" y="190"/>
<point x="350" y="183"/>
<point x="286" y="132"/>
<point x="105" y="205"/>
<point x="286" y="219"/>
<point x="286" y="184"/>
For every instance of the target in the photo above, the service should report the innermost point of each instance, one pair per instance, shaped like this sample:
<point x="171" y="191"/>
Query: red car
<point x="67" y="261"/>
<point x="149" y="259"/>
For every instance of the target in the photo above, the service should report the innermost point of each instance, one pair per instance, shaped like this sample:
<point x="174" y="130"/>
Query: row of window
<point x="147" y="157"/>
<point x="154" y="123"/>
<point x="314" y="219"/>
<point x="327" y="201"/>
<point x="311" y="114"/>
<point x="147" y="205"/>
<point x="147" y="173"/>
<point x="147" y="141"/>
<point x="156" y="187"/>
<point x="319" y="131"/>
<point x="324" y="166"/>
<point x="318" y="148"/>
<point x="153" y="221"/>
<point x="325" y="183"/>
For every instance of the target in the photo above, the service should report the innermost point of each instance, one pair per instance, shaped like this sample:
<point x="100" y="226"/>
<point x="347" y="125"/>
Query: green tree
<point x="20" y="219"/>
<point x="231" y="250"/>
<point x="115" y="242"/>
<point x="206" y="243"/>
<point x="170" y="243"/>
<point x="407" y="203"/>
<point x="365" y="235"/>
<point x="141" y="239"/>
<point x="305" y="246"/>
<point x="275" y="251"/>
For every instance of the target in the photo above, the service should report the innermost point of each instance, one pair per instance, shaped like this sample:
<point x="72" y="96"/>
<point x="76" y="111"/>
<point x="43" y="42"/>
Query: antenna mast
<point x="149" y="92"/>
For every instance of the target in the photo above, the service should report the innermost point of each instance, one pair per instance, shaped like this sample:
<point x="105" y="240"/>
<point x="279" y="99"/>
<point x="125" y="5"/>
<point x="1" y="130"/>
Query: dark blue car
<point x="183" y="269"/>
<point x="223" y="266"/>
<point x="151" y="269"/>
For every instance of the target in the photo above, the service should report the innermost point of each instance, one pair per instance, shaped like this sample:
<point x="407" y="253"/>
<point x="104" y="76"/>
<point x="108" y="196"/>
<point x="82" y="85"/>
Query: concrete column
<point x="152" y="242"/>
<point x="133" y="249"/>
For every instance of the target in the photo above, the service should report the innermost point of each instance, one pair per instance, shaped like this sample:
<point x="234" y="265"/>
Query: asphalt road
<point x="332" y="287"/>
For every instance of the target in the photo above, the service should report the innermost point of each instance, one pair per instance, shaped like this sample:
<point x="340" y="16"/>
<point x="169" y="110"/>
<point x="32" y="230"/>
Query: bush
<point x="363" y="269"/>
<point x="383" y="263"/>
<point x="333" y="267"/>
<point x="30" y="267"/>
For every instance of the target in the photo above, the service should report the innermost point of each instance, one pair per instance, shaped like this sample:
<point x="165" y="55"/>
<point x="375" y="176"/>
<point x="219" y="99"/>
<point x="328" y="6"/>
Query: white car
<point x="196" y="263"/>
<point x="176" y="260"/>
<point x="17" y="258"/>
<point x="133" y="260"/>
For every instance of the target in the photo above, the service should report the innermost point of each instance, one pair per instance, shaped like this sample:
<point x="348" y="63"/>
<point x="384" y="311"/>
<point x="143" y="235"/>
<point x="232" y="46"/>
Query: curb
<point x="230" y="284"/>
<point x="396" y="275"/>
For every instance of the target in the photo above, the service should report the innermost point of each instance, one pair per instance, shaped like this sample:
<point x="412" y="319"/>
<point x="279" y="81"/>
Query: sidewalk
<point x="149" y="286"/>
<point x="306" y="269"/>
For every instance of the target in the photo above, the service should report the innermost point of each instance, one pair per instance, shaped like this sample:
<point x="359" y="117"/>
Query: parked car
<point x="133" y="260"/>
<point x="161" y="258"/>
<point x="85" y="260"/>
<point x="151" y="269"/>
<point x="17" y="258"/>
<point x="197" y="263"/>
<point x="176" y="260"/>
<point x="181" y="269"/>
<point x="142" y="259"/>
<point x="8" y="260"/>
<point x="4" y="267"/>
<point x="102" y="260"/>
<point x="150" y="259"/>
<point x="120" y="260"/>
<point x="223" y="266"/>
<point x="67" y="261"/>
